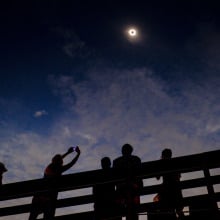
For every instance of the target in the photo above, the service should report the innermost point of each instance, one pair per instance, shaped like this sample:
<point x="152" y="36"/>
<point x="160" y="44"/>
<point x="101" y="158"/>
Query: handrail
<point x="184" y="164"/>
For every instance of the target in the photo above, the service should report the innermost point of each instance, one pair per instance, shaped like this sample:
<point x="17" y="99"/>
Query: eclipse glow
<point x="132" y="32"/>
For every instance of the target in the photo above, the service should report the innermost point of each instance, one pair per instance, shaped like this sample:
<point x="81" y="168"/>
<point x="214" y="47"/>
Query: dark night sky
<point x="71" y="75"/>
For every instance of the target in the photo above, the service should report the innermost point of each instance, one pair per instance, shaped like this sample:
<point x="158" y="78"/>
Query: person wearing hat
<point x="2" y="170"/>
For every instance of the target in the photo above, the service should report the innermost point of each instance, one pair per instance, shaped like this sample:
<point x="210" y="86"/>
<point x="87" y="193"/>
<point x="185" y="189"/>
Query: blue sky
<point x="70" y="75"/>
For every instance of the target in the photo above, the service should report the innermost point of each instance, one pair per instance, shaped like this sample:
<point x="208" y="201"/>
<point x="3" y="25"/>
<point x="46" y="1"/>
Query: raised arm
<point x="70" y="150"/>
<point x="69" y="165"/>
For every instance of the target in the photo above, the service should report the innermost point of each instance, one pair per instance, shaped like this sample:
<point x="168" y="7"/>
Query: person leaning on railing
<point x="128" y="191"/>
<point x="170" y="195"/>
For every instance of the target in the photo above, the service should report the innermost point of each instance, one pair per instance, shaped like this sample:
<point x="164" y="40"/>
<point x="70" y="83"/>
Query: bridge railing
<point x="203" y="162"/>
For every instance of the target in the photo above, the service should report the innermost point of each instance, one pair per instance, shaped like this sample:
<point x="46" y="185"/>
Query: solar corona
<point x="132" y="32"/>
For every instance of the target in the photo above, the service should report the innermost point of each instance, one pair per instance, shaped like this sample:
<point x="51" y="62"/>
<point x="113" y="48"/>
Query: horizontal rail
<point x="191" y="163"/>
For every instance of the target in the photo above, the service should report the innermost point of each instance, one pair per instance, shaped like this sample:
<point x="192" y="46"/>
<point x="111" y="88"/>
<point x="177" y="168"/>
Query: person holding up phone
<point x="46" y="202"/>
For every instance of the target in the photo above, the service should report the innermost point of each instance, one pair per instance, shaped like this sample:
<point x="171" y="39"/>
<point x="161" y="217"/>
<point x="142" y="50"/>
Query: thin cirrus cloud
<point x="40" y="113"/>
<point x="108" y="110"/>
<point x="135" y="106"/>
<point x="72" y="45"/>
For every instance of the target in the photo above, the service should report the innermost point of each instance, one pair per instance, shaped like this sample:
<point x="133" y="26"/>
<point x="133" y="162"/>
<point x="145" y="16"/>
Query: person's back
<point x="128" y="192"/>
<point x="128" y="163"/>
<point x="170" y="195"/>
<point x="104" y="193"/>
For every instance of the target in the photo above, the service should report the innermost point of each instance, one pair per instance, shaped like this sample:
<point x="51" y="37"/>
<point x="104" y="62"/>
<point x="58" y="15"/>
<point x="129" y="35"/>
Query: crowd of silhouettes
<point x="113" y="199"/>
<point x="123" y="198"/>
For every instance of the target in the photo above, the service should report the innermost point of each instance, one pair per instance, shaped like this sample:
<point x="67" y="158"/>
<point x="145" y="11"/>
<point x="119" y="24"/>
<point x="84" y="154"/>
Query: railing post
<point x="211" y="193"/>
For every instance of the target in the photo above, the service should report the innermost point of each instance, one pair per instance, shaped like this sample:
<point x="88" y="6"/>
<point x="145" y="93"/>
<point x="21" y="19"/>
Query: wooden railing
<point x="198" y="162"/>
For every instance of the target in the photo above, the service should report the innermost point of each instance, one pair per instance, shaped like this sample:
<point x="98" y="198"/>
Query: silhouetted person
<point x="128" y="192"/>
<point x="170" y="195"/>
<point x="45" y="202"/>
<point x="104" y="194"/>
<point x="2" y="170"/>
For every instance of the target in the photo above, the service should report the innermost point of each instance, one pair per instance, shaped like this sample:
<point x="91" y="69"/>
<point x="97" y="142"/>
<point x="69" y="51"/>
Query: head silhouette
<point x="166" y="153"/>
<point x="57" y="159"/>
<point x="105" y="163"/>
<point x="2" y="168"/>
<point x="126" y="150"/>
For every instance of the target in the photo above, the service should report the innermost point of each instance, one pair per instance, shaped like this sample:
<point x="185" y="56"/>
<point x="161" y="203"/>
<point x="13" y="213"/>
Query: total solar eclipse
<point x="132" y="32"/>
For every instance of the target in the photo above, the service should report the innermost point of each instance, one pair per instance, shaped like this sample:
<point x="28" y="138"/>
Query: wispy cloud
<point x="136" y="106"/>
<point x="40" y="113"/>
<point x="72" y="45"/>
<point x="113" y="107"/>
